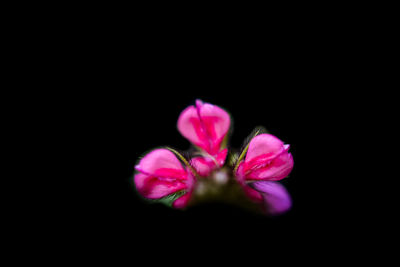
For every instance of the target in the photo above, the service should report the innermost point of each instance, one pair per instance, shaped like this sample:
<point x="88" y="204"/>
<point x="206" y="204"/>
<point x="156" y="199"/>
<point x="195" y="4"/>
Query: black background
<point x="126" y="93"/>
<point x="103" y="87"/>
<point x="135" y="109"/>
<point x="97" y="87"/>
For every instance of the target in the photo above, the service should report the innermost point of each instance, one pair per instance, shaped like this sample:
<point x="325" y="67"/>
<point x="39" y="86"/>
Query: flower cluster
<point x="167" y="176"/>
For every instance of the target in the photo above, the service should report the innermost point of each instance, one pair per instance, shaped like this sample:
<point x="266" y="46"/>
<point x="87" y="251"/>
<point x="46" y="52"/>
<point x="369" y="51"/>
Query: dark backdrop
<point x="128" y="95"/>
<point x="134" y="110"/>
<point x="114" y="87"/>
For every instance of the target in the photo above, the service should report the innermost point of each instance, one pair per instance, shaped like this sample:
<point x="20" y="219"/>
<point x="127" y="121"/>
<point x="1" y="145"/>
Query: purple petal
<point x="276" y="197"/>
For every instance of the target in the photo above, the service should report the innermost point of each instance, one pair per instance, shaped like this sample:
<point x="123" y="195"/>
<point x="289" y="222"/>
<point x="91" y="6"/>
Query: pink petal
<point x="240" y="172"/>
<point x="202" y="165"/>
<point x="277" y="199"/>
<point x="204" y="125"/>
<point x="250" y="192"/>
<point x="264" y="145"/>
<point x="154" y="188"/>
<point x="276" y="169"/>
<point x="221" y="156"/>
<point x="162" y="163"/>
<point x="205" y="165"/>
<point x="254" y="195"/>
<point x="182" y="201"/>
<point x="189" y="126"/>
<point x="216" y="122"/>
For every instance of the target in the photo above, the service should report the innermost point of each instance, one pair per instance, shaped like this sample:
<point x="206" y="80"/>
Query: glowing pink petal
<point x="254" y="195"/>
<point x="264" y="145"/>
<point x="162" y="163"/>
<point x="161" y="174"/>
<point x="216" y="122"/>
<point x="153" y="188"/>
<point x="267" y="159"/>
<point x="250" y="192"/>
<point x="277" y="199"/>
<point x="189" y="126"/>
<point x="205" y="126"/>
<point x="182" y="201"/>
<point x="204" y="165"/>
<point x="275" y="170"/>
<point x="221" y="156"/>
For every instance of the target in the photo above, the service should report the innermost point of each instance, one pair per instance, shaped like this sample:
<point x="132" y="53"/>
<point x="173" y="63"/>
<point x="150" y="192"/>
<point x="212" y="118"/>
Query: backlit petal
<point x="216" y="122"/>
<point x="182" y="201"/>
<point x="189" y="125"/>
<point x="250" y="192"/>
<point x="265" y="145"/>
<point x="277" y="169"/>
<point x="202" y="165"/>
<point x="162" y="163"/>
<point x="221" y="157"/>
<point x="205" y="126"/>
<point x="153" y="188"/>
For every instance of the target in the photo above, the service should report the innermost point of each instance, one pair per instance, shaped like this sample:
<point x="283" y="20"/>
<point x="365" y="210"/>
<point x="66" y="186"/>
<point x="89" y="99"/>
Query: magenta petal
<point x="162" y="163"/>
<point x="265" y="145"/>
<point x="249" y="192"/>
<point x="254" y="195"/>
<point x="153" y="188"/>
<point x="204" y="125"/>
<point x="161" y="174"/>
<point x="240" y="172"/>
<point x="275" y="170"/>
<point x="182" y="201"/>
<point x="202" y="165"/>
<point x="216" y="122"/>
<point x="221" y="156"/>
<point x="189" y="126"/>
<point x="276" y="197"/>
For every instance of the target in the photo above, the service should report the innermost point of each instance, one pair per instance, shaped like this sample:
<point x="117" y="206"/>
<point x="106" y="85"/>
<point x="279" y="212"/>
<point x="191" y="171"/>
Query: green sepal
<point x="232" y="158"/>
<point x="224" y="143"/>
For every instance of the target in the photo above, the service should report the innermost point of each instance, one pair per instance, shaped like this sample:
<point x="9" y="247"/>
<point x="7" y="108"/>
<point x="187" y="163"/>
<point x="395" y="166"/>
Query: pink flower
<point x="161" y="174"/>
<point x="206" y="126"/>
<point x="204" y="165"/>
<point x="276" y="199"/>
<point x="267" y="159"/>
